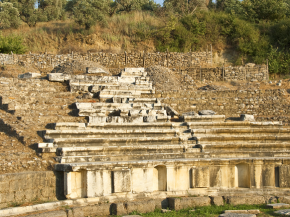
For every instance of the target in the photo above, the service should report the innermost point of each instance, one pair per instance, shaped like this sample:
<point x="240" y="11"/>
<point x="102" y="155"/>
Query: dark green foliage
<point x="26" y="10"/>
<point x="12" y="43"/>
<point x="88" y="12"/>
<point x="9" y="16"/>
<point x="50" y="10"/>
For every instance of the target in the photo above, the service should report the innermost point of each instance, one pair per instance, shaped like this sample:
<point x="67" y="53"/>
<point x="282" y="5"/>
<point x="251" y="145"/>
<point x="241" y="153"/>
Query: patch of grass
<point x="209" y="211"/>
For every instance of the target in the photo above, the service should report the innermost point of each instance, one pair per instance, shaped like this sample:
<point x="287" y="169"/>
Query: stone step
<point x="124" y="150"/>
<point x="80" y="142"/>
<point x="244" y="147"/>
<point x="235" y="124"/>
<point x="243" y="139"/>
<point x="204" y="118"/>
<point x="240" y="131"/>
<point x="127" y="157"/>
<point x="93" y="133"/>
<point x="101" y="164"/>
<point x="129" y="126"/>
<point x="69" y="126"/>
<point x="127" y="87"/>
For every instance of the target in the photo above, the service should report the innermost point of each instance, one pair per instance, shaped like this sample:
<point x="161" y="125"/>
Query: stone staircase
<point x="133" y="145"/>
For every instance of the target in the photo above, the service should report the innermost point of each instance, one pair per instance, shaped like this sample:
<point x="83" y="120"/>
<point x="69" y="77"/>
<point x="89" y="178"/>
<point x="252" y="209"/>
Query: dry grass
<point x="122" y="33"/>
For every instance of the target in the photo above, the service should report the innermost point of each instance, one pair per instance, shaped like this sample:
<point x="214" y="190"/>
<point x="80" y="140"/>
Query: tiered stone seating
<point x="131" y="145"/>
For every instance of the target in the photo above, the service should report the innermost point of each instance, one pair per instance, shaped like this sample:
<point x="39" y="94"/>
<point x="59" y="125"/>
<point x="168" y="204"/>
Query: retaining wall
<point x="17" y="188"/>
<point x="228" y="102"/>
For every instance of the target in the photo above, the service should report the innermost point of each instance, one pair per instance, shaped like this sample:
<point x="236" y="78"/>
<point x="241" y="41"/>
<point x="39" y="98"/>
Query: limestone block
<point x="284" y="176"/>
<point x="284" y="199"/>
<point x="192" y="113"/>
<point x="245" y="117"/>
<point x="249" y="211"/>
<point x="183" y="203"/>
<point x="56" y="77"/>
<point x="118" y="209"/>
<point x="102" y="209"/>
<point x="236" y="200"/>
<point x="218" y="201"/>
<point x="149" y="119"/>
<point x="96" y="70"/>
<point x="77" y="212"/>
<point x="206" y="112"/>
<point x="129" y="70"/>
<point x="122" y="181"/>
<point x="97" y="119"/>
<point x="283" y="212"/>
<point x="236" y="215"/>
<point x="200" y="177"/>
<point x="278" y="205"/>
<point x="142" y="180"/>
<point x="141" y="206"/>
<point x="59" y="213"/>
<point x="30" y="75"/>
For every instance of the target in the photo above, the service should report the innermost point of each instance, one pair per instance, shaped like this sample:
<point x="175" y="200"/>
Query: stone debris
<point x="245" y="117"/>
<point x="30" y="75"/>
<point x="278" y="205"/>
<point x="217" y="201"/>
<point x="213" y="87"/>
<point x="96" y="70"/>
<point x="165" y="210"/>
<point x="192" y="113"/>
<point x="250" y="211"/>
<point x="192" y="210"/>
<point x="283" y="212"/>
<point x="236" y="215"/>
<point x="78" y="67"/>
<point x="206" y="112"/>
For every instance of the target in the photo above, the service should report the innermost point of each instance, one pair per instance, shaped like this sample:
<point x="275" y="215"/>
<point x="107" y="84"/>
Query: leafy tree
<point x="131" y="5"/>
<point x="88" y="12"/>
<point x="28" y="13"/>
<point x="184" y="7"/>
<point x="50" y="9"/>
<point x="268" y="10"/>
<point x="9" y="15"/>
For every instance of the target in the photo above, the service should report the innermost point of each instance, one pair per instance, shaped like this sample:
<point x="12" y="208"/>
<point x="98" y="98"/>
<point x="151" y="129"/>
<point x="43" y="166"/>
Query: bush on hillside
<point x="12" y="43"/>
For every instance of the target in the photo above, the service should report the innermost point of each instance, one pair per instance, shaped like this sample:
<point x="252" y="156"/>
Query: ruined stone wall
<point x="113" y="60"/>
<point x="229" y="102"/>
<point x="18" y="188"/>
<point x="195" y="64"/>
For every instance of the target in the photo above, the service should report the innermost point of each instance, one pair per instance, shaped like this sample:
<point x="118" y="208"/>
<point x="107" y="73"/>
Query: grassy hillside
<point x="235" y="39"/>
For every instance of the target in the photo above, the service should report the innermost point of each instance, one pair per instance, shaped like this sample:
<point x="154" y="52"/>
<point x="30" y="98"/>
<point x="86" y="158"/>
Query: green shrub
<point x="12" y="43"/>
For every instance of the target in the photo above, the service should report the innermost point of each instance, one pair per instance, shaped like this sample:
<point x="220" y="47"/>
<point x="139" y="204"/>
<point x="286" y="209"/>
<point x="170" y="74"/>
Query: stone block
<point x="217" y="201"/>
<point x="118" y="209"/>
<point x="284" y="199"/>
<point x="206" y="112"/>
<point x="237" y="200"/>
<point x="186" y="202"/>
<point x="96" y="70"/>
<point x="278" y="205"/>
<point x="56" y="77"/>
<point x="283" y="212"/>
<point x="141" y="206"/>
<point x="97" y="210"/>
<point x="236" y="215"/>
<point x="245" y="117"/>
<point x="59" y="213"/>
<point x="30" y="75"/>
<point x="122" y="181"/>
<point x="77" y="212"/>
<point x="284" y="176"/>
<point x="249" y="211"/>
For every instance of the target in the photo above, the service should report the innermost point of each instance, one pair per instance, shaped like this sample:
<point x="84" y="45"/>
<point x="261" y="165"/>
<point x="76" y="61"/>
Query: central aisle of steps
<point x="127" y="132"/>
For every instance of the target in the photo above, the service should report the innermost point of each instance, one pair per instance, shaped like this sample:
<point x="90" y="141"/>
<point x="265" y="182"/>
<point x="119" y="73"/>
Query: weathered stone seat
<point x="95" y="133"/>
<point x="80" y="142"/>
<point x="204" y="118"/>
<point x="236" y="124"/>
